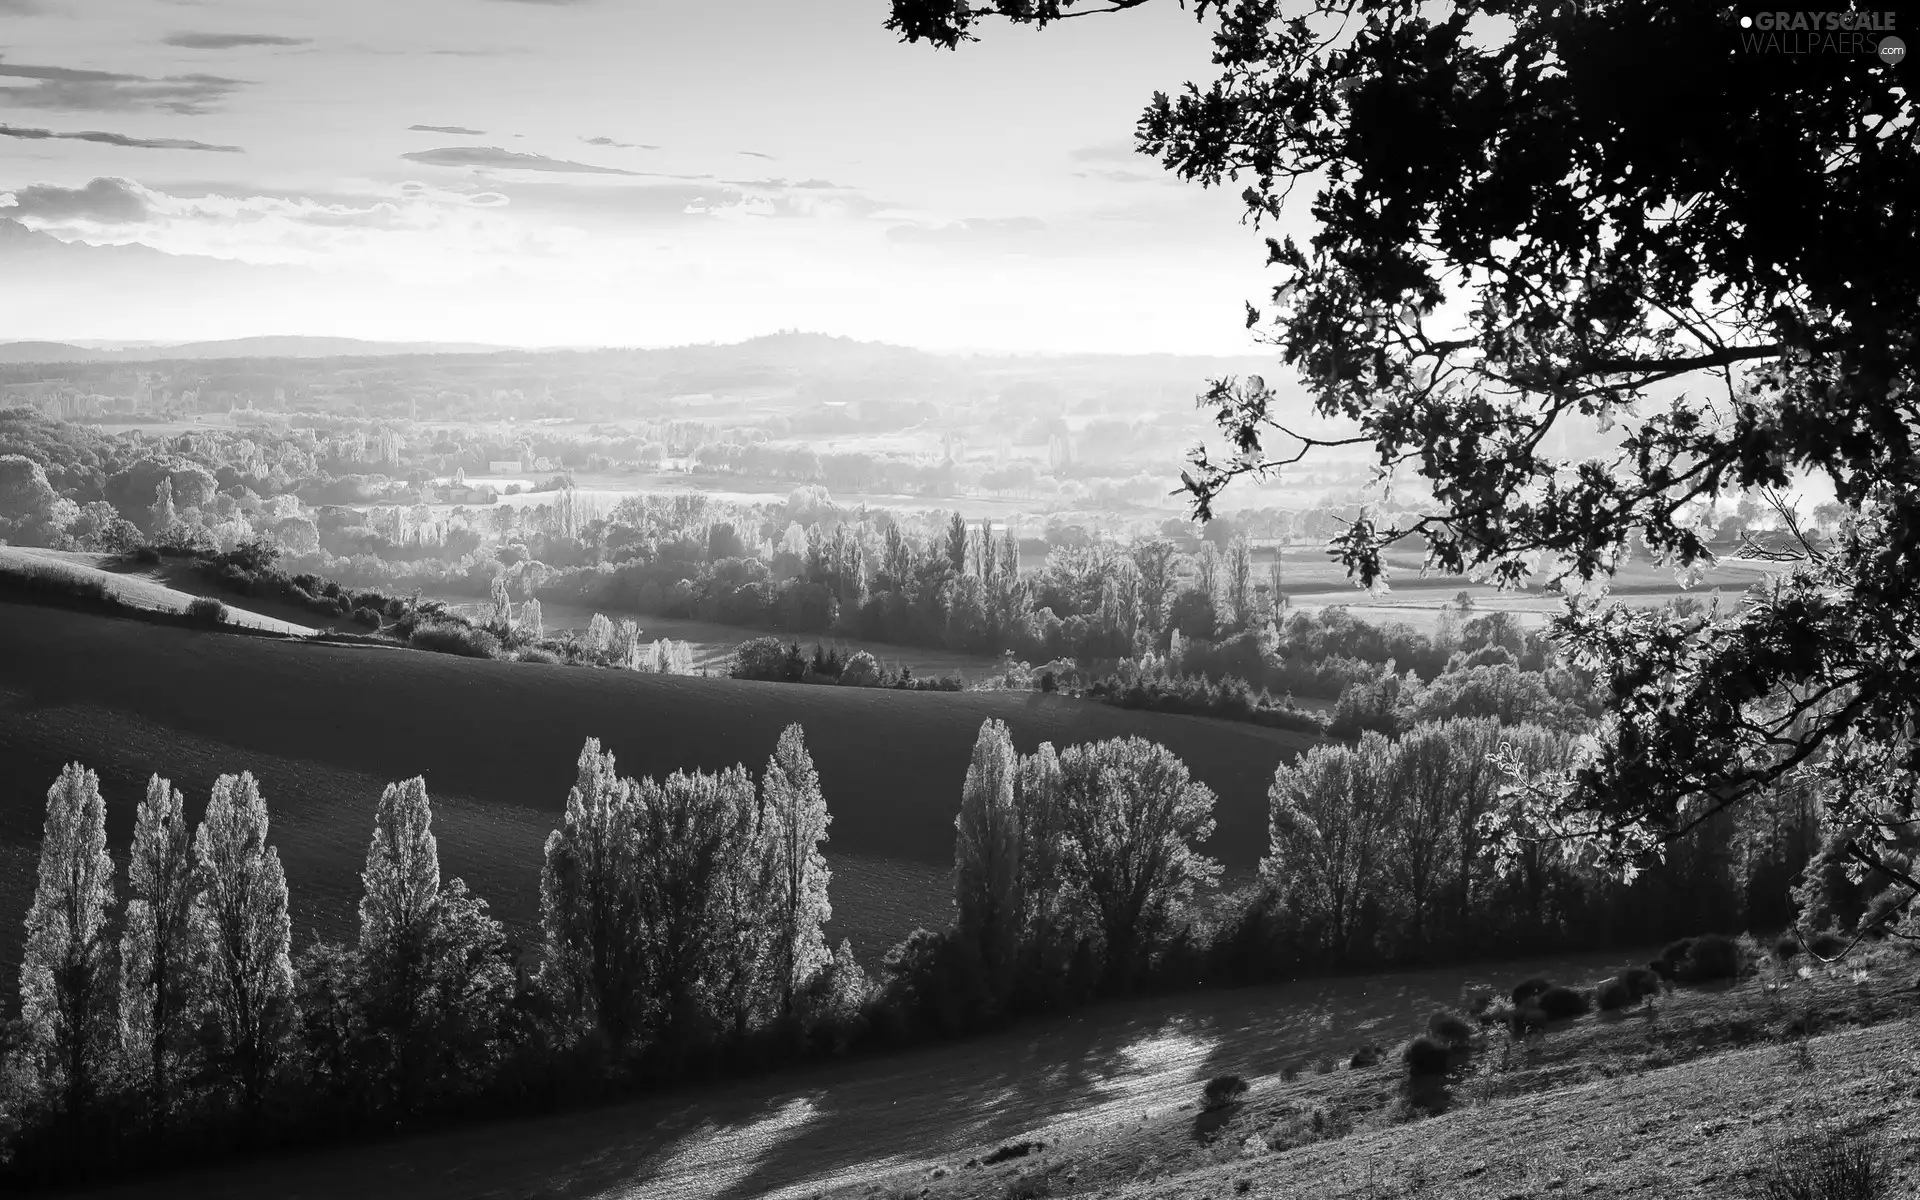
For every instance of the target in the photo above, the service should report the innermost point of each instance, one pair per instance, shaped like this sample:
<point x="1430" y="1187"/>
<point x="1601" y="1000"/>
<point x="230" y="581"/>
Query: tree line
<point x="682" y="930"/>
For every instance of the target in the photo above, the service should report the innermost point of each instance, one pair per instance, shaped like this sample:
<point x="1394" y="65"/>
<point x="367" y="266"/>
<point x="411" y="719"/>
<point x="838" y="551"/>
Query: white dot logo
<point x="1892" y="50"/>
<point x="1746" y="22"/>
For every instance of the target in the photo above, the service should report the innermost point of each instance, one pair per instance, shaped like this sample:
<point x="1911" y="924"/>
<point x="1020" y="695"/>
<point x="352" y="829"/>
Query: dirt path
<point x="792" y="1134"/>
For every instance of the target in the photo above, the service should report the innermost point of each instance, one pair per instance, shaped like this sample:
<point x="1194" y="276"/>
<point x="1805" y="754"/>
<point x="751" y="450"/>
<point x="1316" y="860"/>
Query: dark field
<point x="325" y="727"/>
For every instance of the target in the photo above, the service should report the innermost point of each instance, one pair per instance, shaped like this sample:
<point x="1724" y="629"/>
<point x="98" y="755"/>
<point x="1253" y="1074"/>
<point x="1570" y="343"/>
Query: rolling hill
<point x="324" y="727"/>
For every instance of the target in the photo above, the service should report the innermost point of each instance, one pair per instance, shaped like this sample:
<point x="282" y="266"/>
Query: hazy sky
<point x="632" y="172"/>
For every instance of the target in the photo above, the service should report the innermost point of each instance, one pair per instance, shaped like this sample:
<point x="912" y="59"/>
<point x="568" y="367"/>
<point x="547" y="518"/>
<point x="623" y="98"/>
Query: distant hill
<point x="49" y="352"/>
<point x="252" y="347"/>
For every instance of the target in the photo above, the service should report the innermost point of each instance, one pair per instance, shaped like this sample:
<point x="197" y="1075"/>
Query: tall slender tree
<point x="240" y="917"/>
<point x="593" y="955"/>
<point x="158" y="975"/>
<point x="987" y="861"/>
<point x="66" y="974"/>
<point x="797" y="821"/>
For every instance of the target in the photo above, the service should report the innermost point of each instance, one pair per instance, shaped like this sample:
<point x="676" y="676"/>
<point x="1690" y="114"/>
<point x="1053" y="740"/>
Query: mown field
<point x="324" y="727"/>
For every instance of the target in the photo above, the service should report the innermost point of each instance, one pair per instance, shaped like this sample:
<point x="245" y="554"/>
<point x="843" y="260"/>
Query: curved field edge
<point x="325" y="726"/>
<point x="136" y="593"/>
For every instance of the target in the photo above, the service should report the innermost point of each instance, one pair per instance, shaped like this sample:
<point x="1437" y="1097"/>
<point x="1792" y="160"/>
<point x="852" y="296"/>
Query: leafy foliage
<point x="67" y="985"/>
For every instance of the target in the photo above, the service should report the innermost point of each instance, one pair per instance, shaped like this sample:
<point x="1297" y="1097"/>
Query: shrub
<point x="1450" y="1029"/>
<point x="535" y="654"/>
<point x="1365" y="1056"/>
<point x="1526" y="1018"/>
<point x="1710" y="956"/>
<point x="1221" y="1091"/>
<point x="1615" y="994"/>
<point x="1828" y="944"/>
<point x="206" y="611"/>
<point x="1559" y="1003"/>
<point x="446" y="637"/>
<point x="147" y="555"/>
<point x="1668" y="964"/>
<point x="862" y="670"/>
<point x="1011" y="1150"/>
<point x="1424" y="1058"/>
<point x="1787" y="948"/>
<point x="1641" y="981"/>
<point x="1477" y="1000"/>
<point x="1832" y="1164"/>
<point x="367" y="617"/>
<point x="1527" y="989"/>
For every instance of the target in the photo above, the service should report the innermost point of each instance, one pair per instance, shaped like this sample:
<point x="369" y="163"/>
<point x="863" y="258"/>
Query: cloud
<point x="454" y="129"/>
<point x="810" y="185"/>
<point x="114" y="139"/>
<point x="511" y="160"/>
<point x="1107" y="152"/>
<point x="969" y="232"/>
<point x="73" y="89"/>
<point x="1121" y="176"/>
<point x="647" y="203"/>
<point x="107" y="201"/>
<point x="607" y="141"/>
<point x="230" y="41"/>
<point x="757" y="154"/>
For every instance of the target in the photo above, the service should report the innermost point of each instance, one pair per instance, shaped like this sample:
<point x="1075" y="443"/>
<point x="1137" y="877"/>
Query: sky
<point x="605" y="172"/>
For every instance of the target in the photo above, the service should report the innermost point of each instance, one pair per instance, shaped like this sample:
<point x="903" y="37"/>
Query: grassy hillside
<point x="127" y="588"/>
<point x="325" y="726"/>
<point x="1685" y="1097"/>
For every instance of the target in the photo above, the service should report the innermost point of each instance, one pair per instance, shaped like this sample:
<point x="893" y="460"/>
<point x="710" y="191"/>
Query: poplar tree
<point x="66" y="973"/>
<point x="240" y="918"/>
<point x="987" y="860"/>
<point x="434" y="962"/>
<point x="158" y="975"/>
<point x="593" y="957"/>
<point x="797" y="821"/>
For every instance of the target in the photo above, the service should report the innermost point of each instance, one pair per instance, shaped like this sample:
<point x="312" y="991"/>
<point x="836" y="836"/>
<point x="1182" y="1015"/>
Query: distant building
<point x="505" y="467"/>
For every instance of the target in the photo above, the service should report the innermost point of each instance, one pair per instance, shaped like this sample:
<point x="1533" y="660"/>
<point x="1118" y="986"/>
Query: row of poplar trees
<point x="677" y="916"/>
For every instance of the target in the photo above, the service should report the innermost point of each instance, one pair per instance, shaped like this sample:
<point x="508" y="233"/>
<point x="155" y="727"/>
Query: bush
<point x="1424" y="1058"/>
<point x="1450" y="1029"/>
<point x="862" y="670"/>
<point x="1526" y="1018"/>
<point x="1832" y="1164"/>
<point x="1709" y="957"/>
<point x="147" y="555"/>
<point x="1828" y="944"/>
<point x="1668" y="964"/>
<point x="1527" y="989"/>
<point x="1559" y="1003"/>
<point x="1615" y="994"/>
<point x="206" y="611"/>
<point x="445" y="637"/>
<point x="1365" y="1056"/>
<point x="1221" y="1091"/>
<point x="1641" y="981"/>
<point x="1787" y="948"/>
<point x="367" y="617"/>
<point x="535" y="654"/>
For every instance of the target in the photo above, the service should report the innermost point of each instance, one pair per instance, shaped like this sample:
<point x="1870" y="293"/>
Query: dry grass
<point x="1695" y="1095"/>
